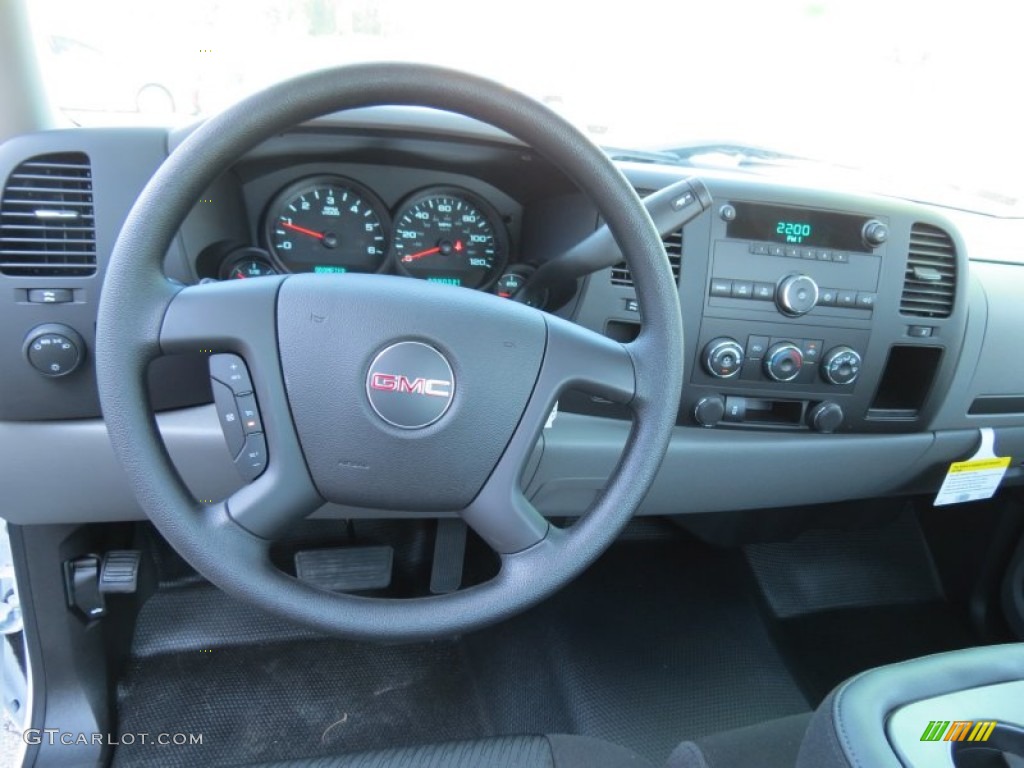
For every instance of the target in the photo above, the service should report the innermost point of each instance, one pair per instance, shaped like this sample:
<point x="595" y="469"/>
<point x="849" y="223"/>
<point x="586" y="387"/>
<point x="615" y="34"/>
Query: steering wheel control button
<point x="723" y="358"/>
<point x="796" y="295"/>
<point x="410" y="385"/>
<point x="253" y="459"/>
<point x="54" y="350"/>
<point x="230" y="370"/>
<point x="841" y="366"/>
<point x="227" y="414"/>
<point x="783" y="362"/>
<point x="50" y="295"/>
<point x="249" y="413"/>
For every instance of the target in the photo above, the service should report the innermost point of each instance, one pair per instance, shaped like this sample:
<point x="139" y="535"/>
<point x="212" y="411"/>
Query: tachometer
<point x="448" y="235"/>
<point x="327" y="224"/>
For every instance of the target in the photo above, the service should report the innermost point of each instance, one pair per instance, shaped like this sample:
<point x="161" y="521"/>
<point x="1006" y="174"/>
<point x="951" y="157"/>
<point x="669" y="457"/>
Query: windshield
<point x="922" y="94"/>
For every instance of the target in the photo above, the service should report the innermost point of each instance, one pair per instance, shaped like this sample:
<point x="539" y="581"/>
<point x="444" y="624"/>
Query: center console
<point x="807" y="311"/>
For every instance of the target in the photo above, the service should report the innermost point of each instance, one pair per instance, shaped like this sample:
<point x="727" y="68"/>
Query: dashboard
<point x="839" y="345"/>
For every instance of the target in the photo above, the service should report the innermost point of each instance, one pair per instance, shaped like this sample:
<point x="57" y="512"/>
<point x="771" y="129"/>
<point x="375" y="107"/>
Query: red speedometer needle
<point x="421" y="254"/>
<point x="303" y="230"/>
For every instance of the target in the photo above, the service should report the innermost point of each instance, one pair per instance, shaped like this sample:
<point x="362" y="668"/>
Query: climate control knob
<point x="723" y="357"/>
<point x="783" y="361"/>
<point x="841" y="365"/>
<point x="796" y="295"/>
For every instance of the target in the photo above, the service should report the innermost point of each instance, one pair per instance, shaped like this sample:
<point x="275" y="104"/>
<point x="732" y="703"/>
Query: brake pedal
<point x="449" y="555"/>
<point x="348" y="569"/>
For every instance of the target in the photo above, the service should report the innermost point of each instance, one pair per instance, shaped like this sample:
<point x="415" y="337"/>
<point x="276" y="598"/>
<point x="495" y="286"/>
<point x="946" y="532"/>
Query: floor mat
<point x="827" y="569"/>
<point x="655" y="644"/>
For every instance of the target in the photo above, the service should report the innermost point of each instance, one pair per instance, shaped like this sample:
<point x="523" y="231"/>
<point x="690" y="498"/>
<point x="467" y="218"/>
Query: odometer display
<point x="447" y="235"/>
<point x="327" y="224"/>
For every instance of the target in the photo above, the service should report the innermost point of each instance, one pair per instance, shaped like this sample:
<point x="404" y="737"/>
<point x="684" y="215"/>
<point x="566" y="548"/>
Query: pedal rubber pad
<point x="347" y="569"/>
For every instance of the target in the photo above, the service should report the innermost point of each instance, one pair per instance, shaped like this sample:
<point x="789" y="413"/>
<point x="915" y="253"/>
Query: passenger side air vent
<point x="46" y="218"/>
<point x="930" y="283"/>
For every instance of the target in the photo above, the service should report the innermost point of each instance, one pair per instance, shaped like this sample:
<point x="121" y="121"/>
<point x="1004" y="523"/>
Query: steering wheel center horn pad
<point x="329" y="358"/>
<point x="404" y="394"/>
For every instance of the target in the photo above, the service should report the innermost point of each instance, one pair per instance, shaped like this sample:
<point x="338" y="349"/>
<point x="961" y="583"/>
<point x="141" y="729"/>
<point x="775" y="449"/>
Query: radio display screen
<point x="797" y="226"/>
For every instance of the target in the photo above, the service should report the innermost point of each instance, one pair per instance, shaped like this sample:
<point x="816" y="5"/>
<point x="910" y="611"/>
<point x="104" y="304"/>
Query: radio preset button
<point x="776" y="250"/>
<point x="841" y="258"/>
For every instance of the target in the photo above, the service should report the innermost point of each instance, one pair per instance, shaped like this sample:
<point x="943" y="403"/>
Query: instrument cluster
<point x="331" y="224"/>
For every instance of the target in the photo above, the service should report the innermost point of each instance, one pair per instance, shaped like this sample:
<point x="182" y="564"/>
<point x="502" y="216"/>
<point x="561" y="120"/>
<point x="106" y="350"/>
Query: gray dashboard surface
<point x="66" y="471"/>
<point x="56" y="463"/>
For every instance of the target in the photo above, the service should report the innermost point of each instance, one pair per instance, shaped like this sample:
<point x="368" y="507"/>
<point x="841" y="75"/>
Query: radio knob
<point x="783" y="361"/>
<point x="796" y="295"/>
<point x="841" y="365"/>
<point x="723" y="357"/>
<point x="825" y="417"/>
<point x="875" y="233"/>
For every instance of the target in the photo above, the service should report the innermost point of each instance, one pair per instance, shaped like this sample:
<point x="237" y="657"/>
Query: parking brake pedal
<point x="348" y="569"/>
<point x="449" y="554"/>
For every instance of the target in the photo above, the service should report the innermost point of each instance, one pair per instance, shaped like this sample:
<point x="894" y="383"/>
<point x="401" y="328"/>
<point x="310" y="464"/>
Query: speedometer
<point x="327" y="224"/>
<point x="448" y="235"/>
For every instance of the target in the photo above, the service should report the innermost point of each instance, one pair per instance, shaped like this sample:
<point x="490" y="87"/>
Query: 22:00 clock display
<point x="793" y="231"/>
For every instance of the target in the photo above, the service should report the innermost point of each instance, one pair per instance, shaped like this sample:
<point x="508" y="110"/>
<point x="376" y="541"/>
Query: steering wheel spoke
<point x="239" y="317"/>
<point x="573" y="358"/>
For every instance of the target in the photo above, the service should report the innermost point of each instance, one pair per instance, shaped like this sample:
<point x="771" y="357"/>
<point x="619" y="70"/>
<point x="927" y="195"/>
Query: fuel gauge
<point x="508" y="285"/>
<point x="250" y="268"/>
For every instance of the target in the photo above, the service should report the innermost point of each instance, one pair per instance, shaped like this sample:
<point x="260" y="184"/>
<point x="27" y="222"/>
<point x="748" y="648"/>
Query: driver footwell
<point x="652" y="645"/>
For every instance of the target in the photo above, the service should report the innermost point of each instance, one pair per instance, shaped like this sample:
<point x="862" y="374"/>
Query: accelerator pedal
<point x="449" y="555"/>
<point x="346" y="569"/>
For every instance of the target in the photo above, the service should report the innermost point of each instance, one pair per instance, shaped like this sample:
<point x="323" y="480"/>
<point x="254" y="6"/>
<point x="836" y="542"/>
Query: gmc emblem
<point x="390" y="382"/>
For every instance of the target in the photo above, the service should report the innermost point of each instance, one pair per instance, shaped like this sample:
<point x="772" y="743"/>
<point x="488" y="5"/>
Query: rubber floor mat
<point x="657" y="643"/>
<point x="827" y="569"/>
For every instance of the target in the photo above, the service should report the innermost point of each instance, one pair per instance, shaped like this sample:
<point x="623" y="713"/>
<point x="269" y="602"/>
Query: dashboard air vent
<point x="673" y="247"/>
<point x="46" y="218"/>
<point x="929" y="286"/>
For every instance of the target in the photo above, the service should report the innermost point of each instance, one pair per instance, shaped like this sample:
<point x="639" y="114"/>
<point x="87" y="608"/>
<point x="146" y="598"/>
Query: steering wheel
<point x="317" y="347"/>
